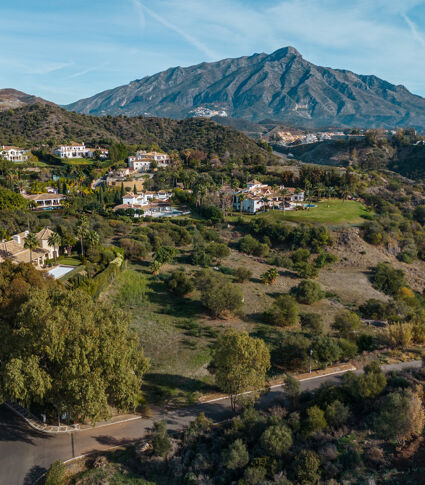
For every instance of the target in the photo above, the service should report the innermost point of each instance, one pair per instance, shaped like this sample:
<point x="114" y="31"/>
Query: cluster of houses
<point x="143" y="161"/>
<point x="258" y="196"/>
<point x="148" y="203"/>
<point x="16" y="251"/>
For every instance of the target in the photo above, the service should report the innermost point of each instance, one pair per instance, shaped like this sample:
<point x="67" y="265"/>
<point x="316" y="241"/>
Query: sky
<point x="65" y="50"/>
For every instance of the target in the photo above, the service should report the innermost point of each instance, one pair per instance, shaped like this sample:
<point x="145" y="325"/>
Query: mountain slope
<point x="282" y="86"/>
<point x="11" y="98"/>
<point x="40" y="123"/>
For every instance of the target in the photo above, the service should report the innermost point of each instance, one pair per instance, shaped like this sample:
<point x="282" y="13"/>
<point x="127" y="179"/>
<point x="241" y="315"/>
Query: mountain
<point x="33" y="125"/>
<point x="11" y="98"/>
<point x="282" y="86"/>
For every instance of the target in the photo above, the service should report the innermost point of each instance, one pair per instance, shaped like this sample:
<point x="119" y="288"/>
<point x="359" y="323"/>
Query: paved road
<point x="25" y="454"/>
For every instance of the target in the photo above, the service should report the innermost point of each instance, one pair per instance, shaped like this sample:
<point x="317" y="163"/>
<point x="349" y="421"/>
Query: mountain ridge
<point x="12" y="98"/>
<point x="281" y="85"/>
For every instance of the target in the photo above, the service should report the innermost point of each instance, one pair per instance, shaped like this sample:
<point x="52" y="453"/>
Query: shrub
<point x="401" y="416"/>
<point x="161" y="441"/>
<point x="307" y="467"/>
<point x="387" y="279"/>
<point x="165" y="255"/>
<point x="283" y="312"/>
<point x="326" y="350"/>
<point x="306" y="270"/>
<point x="301" y="255"/>
<point x="201" y="257"/>
<point x="242" y="274"/>
<point x="56" y="474"/>
<point x="307" y="292"/>
<point x="312" y="323"/>
<point x="180" y="283"/>
<point x="236" y="456"/>
<point x="250" y="245"/>
<point x="315" y="420"/>
<point x="400" y="335"/>
<point x="270" y="276"/>
<point x="292" y="352"/>
<point x="348" y="349"/>
<point x="325" y="258"/>
<point x="276" y="440"/>
<point x="217" y="293"/>
<point x="346" y="323"/>
<point x="368" y="385"/>
<point x="337" y="414"/>
<point x="218" y="250"/>
<point x="280" y="261"/>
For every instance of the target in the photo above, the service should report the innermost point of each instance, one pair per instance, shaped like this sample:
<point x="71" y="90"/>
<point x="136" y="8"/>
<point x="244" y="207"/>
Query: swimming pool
<point x="60" y="271"/>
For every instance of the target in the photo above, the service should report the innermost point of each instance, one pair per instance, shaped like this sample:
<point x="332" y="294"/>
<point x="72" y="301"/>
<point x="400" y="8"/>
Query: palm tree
<point x="264" y="200"/>
<point x="54" y="241"/>
<point x="31" y="243"/>
<point x="93" y="238"/>
<point x="82" y="230"/>
<point x="283" y="192"/>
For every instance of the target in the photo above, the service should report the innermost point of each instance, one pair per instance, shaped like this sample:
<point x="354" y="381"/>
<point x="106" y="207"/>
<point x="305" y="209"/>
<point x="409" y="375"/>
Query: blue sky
<point x="64" y="50"/>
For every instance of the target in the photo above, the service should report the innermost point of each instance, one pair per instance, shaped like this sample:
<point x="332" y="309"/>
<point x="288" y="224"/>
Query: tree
<point x="242" y="274"/>
<point x="400" y="335"/>
<point x="54" y="241"/>
<point x="337" y="414"/>
<point x="31" y="243"/>
<point x="218" y="250"/>
<point x="401" y="416"/>
<point x="368" y="385"/>
<point x="277" y="440"/>
<point x="49" y="357"/>
<point x="200" y="256"/>
<point x="346" y="323"/>
<point x="307" y="465"/>
<point x="326" y="350"/>
<point x="180" y="283"/>
<point x="292" y="388"/>
<point x="161" y="441"/>
<point x="82" y="230"/>
<point x="270" y="276"/>
<point x="165" y="254"/>
<point x="241" y="198"/>
<point x="387" y="279"/>
<point x="241" y="363"/>
<point x="307" y="292"/>
<point x="312" y="323"/>
<point x="56" y="474"/>
<point x="217" y="293"/>
<point x="283" y="312"/>
<point x="306" y="270"/>
<point x="236" y="456"/>
<point x="315" y="421"/>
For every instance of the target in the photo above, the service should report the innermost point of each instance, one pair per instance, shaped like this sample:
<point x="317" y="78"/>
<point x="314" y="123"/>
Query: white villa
<point x="142" y="161"/>
<point x="13" y="154"/>
<point x="144" y="198"/>
<point x="74" y="150"/>
<point x="48" y="200"/>
<point x="16" y="251"/>
<point x="259" y="196"/>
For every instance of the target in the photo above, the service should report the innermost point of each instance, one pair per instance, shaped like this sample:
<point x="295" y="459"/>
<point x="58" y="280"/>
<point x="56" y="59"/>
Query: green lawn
<point x="78" y="161"/>
<point x="331" y="211"/>
<point x="69" y="261"/>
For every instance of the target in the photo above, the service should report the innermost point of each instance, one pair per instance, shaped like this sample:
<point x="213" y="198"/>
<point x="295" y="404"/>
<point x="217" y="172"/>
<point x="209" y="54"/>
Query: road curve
<point x="25" y="454"/>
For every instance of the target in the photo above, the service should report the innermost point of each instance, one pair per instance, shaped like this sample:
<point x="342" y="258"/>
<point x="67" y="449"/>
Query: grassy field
<point x="330" y="211"/>
<point x="77" y="161"/>
<point x="69" y="260"/>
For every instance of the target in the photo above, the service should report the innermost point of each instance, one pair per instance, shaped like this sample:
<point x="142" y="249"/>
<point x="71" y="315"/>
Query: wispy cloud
<point x="414" y="30"/>
<point x="182" y="33"/>
<point x="86" y="71"/>
<point x="46" y="67"/>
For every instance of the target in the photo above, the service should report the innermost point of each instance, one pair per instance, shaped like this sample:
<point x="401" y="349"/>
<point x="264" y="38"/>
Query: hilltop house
<point x="74" y="150"/>
<point x="13" y="154"/>
<point x="49" y="200"/>
<point x="259" y="196"/>
<point x="16" y="251"/>
<point x="143" y="160"/>
<point x="143" y="199"/>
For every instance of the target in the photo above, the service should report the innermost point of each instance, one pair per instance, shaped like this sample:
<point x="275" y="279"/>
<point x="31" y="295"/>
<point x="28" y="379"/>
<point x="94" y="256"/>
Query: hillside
<point x="11" y="98"/>
<point x="282" y="86"/>
<point x="37" y="123"/>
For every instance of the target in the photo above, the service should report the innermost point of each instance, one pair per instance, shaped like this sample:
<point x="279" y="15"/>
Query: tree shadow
<point x="34" y="474"/>
<point x="14" y="428"/>
<point x="111" y="441"/>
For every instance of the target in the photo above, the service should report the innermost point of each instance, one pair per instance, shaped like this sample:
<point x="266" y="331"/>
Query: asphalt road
<point x="25" y="454"/>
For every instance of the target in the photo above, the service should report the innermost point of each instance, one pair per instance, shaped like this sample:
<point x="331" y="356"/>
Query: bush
<point x="165" y="255"/>
<point x="306" y="466"/>
<point x="201" y="257"/>
<point x="218" y="250"/>
<point x="312" y="323"/>
<point x="242" y="274"/>
<point x="346" y="323"/>
<point x="236" y="456"/>
<point x="315" y="420"/>
<point x="250" y="245"/>
<point x="326" y="350"/>
<point x="56" y="474"/>
<point x="280" y="261"/>
<point x="217" y="293"/>
<point x="270" y="276"/>
<point x="180" y="283"/>
<point x="301" y="255"/>
<point x="161" y="441"/>
<point x="337" y="414"/>
<point x="292" y="352"/>
<point x="283" y="312"/>
<point x="325" y="258"/>
<point x="277" y="440"/>
<point x="307" y="292"/>
<point x="387" y="279"/>
<point x="306" y="270"/>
